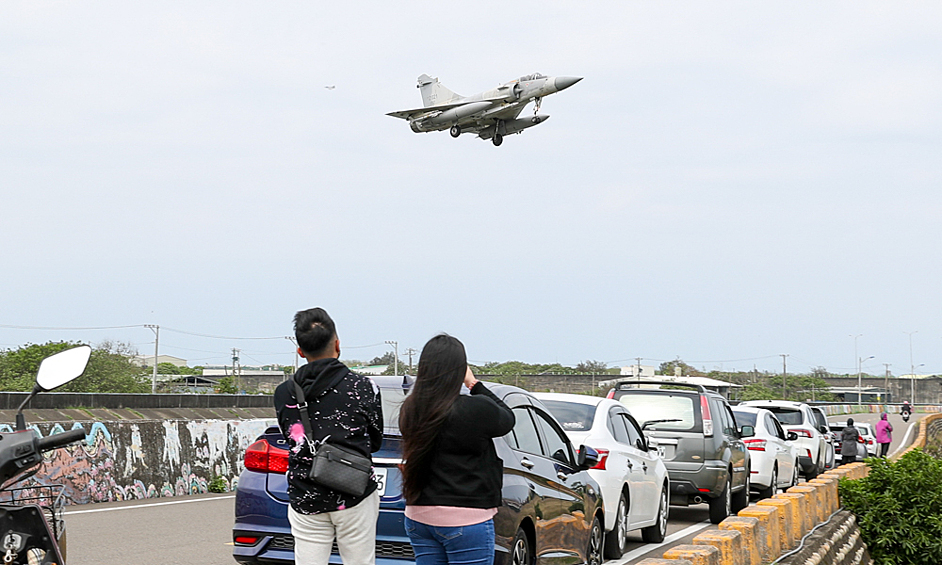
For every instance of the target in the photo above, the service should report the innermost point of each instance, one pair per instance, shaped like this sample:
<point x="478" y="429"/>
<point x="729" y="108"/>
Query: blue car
<point x="551" y="510"/>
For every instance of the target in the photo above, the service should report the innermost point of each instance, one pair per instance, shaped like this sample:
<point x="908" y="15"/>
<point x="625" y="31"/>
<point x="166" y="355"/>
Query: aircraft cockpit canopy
<point x="534" y="76"/>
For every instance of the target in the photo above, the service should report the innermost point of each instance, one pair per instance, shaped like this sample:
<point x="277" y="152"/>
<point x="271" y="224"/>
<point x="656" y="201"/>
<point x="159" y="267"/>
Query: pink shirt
<point x="449" y="516"/>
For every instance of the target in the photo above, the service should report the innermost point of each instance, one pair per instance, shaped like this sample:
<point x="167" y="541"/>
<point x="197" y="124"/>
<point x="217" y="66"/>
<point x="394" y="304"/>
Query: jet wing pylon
<point x="409" y="114"/>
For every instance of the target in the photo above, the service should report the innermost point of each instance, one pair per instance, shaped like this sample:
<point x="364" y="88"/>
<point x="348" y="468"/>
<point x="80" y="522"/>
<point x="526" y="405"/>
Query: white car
<point x="869" y="437"/>
<point x="771" y="449"/>
<point x="633" y="479"/>
<point x="812" y="443"/>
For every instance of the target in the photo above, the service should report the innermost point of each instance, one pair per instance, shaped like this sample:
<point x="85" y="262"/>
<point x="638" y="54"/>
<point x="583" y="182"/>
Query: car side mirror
<point x="823" y="429"/>
<point x="587" y="457"/>
<point x="747" y="431"/>
<point x="792" y="436"/>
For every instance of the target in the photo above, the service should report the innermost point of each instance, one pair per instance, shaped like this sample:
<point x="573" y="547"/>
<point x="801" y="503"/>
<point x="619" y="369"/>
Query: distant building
<point x="647" y="371"/>
<point x="148" y="360"/>
<point x="372" y="370"/>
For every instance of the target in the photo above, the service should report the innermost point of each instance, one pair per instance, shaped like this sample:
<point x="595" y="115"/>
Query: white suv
<point x="812" y="443"/>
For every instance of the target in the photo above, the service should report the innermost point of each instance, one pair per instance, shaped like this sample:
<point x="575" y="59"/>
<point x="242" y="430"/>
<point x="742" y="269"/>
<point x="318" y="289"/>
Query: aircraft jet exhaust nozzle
<point x="459" y="113"/>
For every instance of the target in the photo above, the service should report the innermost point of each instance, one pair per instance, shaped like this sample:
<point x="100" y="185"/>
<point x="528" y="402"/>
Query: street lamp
<point x="913" y="380"/>
<point x="156" y="329"/>
<point x="859" y="366"/>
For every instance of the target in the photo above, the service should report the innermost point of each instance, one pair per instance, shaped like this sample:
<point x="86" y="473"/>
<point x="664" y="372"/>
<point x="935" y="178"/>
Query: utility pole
<point x="784" y="374"/>
<point x="395" y="345"/>
<point x="156" y="329"/>
<point x="410" y="352"/>
<point x="294" y="353"/>
<point x="886" y="383"/>
<point x="235" y="362"/>
<point x="912" y="368"/>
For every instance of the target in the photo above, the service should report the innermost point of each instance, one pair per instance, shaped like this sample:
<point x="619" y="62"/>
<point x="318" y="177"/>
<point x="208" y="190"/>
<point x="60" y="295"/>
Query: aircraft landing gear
<point x="497" y="139"/>
<point x="455" y="130"/>
<point x="536" y="107"/>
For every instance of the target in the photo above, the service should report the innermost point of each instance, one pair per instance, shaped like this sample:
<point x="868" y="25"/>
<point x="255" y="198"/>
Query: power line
<point x="9" y="327"/>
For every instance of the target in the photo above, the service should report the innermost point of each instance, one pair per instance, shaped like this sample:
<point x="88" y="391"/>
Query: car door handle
<point x="526" y="463"/>
<point x="645" y="467"/>
<point x="561" y="476"/>
<point x="631" y="465"/>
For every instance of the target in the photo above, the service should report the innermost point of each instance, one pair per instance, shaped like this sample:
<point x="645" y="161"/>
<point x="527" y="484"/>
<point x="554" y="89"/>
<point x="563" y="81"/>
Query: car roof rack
<point x="625" y="385"/>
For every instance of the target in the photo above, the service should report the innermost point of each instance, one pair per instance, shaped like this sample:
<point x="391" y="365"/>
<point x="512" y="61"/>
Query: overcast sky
<point x="729" y="182"/>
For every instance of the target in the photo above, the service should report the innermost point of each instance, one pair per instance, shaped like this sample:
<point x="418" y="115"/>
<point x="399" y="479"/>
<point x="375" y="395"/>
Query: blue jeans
<point x="463" y="545"/>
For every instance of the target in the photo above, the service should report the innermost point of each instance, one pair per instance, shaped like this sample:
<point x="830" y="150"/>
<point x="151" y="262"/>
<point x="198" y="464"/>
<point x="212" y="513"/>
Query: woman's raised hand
<point x="469" y="380"/>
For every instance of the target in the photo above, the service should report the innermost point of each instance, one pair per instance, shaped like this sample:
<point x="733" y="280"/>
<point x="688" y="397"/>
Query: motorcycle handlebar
<point x="59" y="440"/>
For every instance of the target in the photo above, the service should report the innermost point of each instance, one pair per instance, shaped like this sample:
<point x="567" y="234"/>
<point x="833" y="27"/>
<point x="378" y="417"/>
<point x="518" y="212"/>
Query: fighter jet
<point x="491" y="114"/>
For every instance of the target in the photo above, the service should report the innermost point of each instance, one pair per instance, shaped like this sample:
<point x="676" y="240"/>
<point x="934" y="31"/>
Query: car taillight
<point x="246" y="540"/>
<point x="262" y="457"/>
<point x="803" y="432"/>
<point x="611" y="394"/>
<point x="808" y="453"/>
<point x="755" y="444"/>
<point x="869" y="441"/>
<point x="603" y="457"/>
<point x="707" y="419"/>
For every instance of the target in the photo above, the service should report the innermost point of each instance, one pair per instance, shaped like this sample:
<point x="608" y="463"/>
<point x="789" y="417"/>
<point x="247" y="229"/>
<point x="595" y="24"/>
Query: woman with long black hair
<point x="451" y="478"/>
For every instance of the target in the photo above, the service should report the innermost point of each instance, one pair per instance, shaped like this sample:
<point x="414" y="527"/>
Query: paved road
<point x="197" y="530"/>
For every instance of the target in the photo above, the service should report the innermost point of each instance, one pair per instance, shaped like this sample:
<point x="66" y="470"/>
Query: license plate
<point x="380" y="474"/>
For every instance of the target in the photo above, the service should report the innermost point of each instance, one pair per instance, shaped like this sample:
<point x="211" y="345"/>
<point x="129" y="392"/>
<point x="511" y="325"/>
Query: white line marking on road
<point x="70" y="512"/>
<point x="905" y="443"/>
<point x="634" y="554"/>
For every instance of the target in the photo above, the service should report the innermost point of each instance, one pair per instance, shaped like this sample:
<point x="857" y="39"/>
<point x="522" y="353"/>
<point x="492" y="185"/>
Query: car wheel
<point x="721" y="506"/>
<point x="794" y="474"/>
<point x="773" y="485"/>
<point x="521" y="555"/>
<point x="593" y="555"/>
<point x="741" y="498"/>
<point x="656" y="533"/>
<point x="615" y="540"/>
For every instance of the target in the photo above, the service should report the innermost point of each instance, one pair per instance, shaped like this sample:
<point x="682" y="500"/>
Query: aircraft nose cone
<point x="563" y="83"/>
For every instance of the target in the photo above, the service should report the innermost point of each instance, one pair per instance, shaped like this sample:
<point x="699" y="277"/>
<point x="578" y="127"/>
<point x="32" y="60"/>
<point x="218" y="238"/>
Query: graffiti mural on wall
<point x="146" y="459"/>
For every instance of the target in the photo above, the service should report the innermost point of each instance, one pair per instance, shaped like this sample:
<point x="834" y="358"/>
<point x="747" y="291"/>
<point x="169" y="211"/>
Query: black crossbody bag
<point x="335" y="467"/>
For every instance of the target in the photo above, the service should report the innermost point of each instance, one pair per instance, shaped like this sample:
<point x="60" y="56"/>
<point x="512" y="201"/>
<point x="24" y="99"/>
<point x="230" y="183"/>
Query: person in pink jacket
<point x="884" y="434"/>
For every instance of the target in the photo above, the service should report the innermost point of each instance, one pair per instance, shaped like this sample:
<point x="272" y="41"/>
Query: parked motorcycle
<point x="31" y="528"/>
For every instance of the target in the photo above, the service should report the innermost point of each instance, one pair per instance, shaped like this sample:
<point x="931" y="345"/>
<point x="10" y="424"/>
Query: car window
<point x="745" y="418"/>
<point x="649" y="407"/>
<point x="572" y="416"/>
<point x="774" y="427"/>
<point x="392" y="399"/>
<point x="616" y="425"/>
<point x="635" y="437"/>
<point x="729" y="423"/>
<point x="525" y="435"/>
<point x="819" y="419"/>
<point x="786" y="416"/>
<point x="556" y="446"/>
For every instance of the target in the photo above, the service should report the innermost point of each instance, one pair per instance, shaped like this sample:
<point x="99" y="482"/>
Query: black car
<point x="697" y="437"/>
<point x="551" y="508"/>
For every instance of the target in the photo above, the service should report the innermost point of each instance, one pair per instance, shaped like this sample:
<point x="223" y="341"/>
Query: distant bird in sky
<point x="330" y="87"/>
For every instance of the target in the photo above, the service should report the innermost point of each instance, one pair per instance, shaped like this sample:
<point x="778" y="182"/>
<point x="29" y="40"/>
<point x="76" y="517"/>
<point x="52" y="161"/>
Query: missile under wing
<point x="491" y="114"/>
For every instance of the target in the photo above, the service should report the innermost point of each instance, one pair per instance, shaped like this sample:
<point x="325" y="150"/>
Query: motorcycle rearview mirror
<point x="63" y="367"/>
<point x="55" y="371"/>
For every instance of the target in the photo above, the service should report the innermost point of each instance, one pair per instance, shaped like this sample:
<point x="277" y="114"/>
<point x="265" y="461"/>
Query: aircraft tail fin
<point x="433" y="92"/>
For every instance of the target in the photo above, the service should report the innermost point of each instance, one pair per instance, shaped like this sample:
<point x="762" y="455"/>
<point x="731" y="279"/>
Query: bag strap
<point x="302" y="408"/>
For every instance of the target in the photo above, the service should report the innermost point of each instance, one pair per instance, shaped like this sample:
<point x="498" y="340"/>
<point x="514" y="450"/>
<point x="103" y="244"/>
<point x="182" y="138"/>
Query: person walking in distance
<point x="850" y="436"/>
<point x="344" y="410"/>
<point x="884" y="434"/>
<point x="451" y="478"/>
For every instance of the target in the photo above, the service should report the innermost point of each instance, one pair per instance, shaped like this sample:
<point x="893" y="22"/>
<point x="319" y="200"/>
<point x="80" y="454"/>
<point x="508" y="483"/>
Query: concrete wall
<point x="146" y="459"/>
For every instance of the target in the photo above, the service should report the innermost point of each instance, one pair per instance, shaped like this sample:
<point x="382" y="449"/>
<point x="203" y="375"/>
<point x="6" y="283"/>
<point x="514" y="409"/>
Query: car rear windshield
<point x="745" y="418"/>
<point x="786" y="416"/>
<point x="392" y="402"/>
<point x="647" y="406"/>
<point x="572" y="416"/>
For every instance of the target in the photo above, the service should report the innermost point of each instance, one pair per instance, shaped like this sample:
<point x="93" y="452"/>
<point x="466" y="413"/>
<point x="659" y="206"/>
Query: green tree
<point x="226" y="385"/>
<point x="386" y="359"/>
<point x="758" y="391"/>
<point x="589" y="367"/>
<point x="109" y="368"/>
<point x="667" y="368"/>
<point x="171" y="369"/>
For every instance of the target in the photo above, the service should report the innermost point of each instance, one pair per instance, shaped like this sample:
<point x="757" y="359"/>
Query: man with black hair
<point x="344" y="410"/>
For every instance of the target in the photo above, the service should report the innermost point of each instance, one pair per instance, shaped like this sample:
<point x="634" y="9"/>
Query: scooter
<point x="905" y="416"/>
<point x="31" y="526"/>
